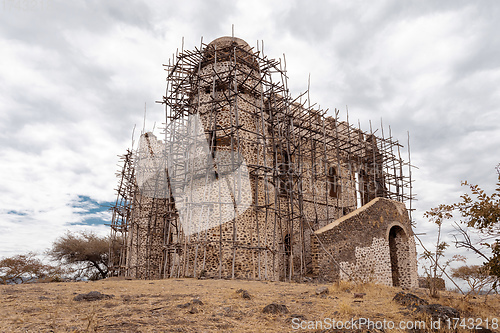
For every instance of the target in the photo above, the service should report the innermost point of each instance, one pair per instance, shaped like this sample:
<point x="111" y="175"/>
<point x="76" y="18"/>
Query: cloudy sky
<point x="75" y="77"/>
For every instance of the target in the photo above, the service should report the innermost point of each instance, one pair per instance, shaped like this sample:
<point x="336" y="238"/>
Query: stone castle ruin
<point x="250" y="183"/>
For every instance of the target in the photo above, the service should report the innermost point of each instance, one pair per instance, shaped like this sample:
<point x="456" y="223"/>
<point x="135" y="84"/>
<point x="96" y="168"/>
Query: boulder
<point x="274" y="308"/>
<point x="409" y="300"/>
<point x="92" y="296"/>
<point x="322" y="291"/>
<point x="244" y="293"/>
<point x="438" y="311"/>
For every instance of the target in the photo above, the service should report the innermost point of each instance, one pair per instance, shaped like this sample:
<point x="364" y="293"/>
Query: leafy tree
<point x="85" y="250"/>
<point x="481" y="212"/>
<point x="494" y="263"/>
<point x="24" y="268"/>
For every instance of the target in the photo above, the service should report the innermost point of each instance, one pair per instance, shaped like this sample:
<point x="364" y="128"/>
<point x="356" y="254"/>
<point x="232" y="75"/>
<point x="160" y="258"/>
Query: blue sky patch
<point x="15" y="212"/>
<point x="92" y="211"/>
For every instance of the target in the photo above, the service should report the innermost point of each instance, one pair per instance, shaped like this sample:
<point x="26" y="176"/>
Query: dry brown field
<point x="162" y="306"/>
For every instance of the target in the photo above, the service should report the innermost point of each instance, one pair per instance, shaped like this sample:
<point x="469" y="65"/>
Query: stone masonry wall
<point x="375" y="242"/>
<point x="366" y="243"/>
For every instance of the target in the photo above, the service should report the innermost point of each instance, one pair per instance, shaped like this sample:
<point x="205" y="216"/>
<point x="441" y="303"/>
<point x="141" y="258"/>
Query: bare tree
<point x="24" y="268"/>
<point x="436" y="215"/>
<point x="477" y="277"/>
<point x="85" y="250"/>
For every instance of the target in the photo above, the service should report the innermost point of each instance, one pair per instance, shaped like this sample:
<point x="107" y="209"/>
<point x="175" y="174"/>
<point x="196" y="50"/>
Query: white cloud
<point x="75" y="76"/>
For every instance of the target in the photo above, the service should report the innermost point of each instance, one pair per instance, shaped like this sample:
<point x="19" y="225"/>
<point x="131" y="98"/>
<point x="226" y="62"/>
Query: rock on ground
<point x="409" y="300"/>
<point x="92" y="296"/>
<point x="322" y="291"/>
<point x="275" y="308"/>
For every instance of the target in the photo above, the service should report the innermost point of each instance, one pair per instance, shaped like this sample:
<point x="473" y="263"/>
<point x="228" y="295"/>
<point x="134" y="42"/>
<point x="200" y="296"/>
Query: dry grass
<point x="153" y="306"/>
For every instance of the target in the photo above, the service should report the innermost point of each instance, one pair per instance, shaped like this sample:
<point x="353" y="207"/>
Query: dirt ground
<point x="192" y="305"/>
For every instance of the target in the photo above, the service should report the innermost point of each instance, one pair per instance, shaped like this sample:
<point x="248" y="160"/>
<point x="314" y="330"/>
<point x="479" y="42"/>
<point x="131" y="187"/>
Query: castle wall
<point x="145" y="239"/>
<point x="374" y="243"/>
<point x="304" y="177"/>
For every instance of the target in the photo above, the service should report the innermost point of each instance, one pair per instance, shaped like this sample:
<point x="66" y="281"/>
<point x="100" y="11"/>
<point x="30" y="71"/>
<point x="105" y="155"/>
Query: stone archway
<point x="400" y="254"/>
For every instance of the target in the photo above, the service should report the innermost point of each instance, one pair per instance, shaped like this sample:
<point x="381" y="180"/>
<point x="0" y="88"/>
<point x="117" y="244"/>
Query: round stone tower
<point x="227" y="97"/>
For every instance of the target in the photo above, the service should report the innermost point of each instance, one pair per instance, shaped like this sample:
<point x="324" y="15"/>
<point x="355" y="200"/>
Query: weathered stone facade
<point x="373" y="243"/>
<point x="275" y="191"/>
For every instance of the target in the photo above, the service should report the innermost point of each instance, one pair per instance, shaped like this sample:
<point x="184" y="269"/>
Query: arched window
<point x="364" y="187"/>
<point x="225" y="141"/>
<point x="284" y="176"/>
<point x="212" y="141"/>
<point x="288" y="244"/>
<point x="217" y="138"/>
<point x="334" y="185"/>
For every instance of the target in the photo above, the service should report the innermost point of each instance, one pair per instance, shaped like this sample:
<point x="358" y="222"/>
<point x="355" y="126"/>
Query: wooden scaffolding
<point x="318" y="167"/>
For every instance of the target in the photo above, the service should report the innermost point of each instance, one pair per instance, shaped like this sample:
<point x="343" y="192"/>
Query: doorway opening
<point x="399" y="252"/>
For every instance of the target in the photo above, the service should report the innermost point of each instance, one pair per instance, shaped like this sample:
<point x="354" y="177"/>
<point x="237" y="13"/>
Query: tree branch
<point x="467" y="242"/>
